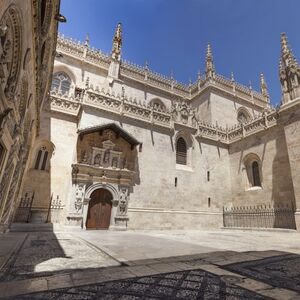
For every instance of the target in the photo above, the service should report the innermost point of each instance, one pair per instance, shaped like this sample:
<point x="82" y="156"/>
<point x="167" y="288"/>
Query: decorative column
<point x="121" y="217"/>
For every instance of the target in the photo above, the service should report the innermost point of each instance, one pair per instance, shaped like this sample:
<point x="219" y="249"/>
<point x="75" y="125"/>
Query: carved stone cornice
<point x="180" y="115"/>
<point x="82" y="52"/>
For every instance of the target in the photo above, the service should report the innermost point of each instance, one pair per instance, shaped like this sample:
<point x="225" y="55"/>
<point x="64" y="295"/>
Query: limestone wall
<point x="277" y="186"/>
<point x="224" y="111"/>
<point x="154" y="186"/>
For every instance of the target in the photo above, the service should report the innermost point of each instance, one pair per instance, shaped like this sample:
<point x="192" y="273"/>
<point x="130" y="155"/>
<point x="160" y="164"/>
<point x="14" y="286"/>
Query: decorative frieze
<point x="180" y="113"/>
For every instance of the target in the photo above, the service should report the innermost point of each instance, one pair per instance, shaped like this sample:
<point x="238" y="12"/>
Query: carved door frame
<point x="115" y="201"/>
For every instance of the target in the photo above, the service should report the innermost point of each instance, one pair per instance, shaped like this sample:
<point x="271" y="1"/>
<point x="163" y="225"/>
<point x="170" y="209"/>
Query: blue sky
<point x="172" y="35"/>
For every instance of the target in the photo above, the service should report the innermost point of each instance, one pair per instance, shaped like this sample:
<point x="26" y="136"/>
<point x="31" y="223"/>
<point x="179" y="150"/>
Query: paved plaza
<point x="222" y="264"/>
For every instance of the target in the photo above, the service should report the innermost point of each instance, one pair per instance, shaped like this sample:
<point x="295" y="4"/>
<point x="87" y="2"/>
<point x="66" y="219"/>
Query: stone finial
<point x="284" y="45"/>
<point x="117" y="43"/>
<point x="250" y="85"/>
<point x="199" y="75"/>
<point x="289" y="72"/>
<point x="146" y="65"/>
<point x="210" y="68"/>
<point x="232" y="77"/>
<point x="87" y="40"/>
<point x="263" y="87"/>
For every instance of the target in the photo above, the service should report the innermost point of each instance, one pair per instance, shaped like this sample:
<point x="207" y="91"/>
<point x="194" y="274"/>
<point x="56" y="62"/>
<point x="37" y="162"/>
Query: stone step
<point x="30" y="227"/>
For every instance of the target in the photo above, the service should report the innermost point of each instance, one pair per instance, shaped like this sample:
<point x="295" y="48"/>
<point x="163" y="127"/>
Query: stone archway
<point x="94" y="201"/>
<point x="99" y="210"/>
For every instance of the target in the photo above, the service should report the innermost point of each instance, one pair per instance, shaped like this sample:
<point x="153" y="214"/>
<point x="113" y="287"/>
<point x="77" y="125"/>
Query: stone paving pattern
<point x="150" y="265"/>
<point x="195" y="284"/>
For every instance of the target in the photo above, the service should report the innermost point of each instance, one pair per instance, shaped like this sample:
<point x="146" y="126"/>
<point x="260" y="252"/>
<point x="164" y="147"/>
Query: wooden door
<point x="99" y="210"/>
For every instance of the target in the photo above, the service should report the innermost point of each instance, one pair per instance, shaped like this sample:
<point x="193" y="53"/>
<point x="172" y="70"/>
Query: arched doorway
<point x="99" y="211"/>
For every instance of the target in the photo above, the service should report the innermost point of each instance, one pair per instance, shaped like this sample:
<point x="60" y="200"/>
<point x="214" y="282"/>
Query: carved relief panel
<point x="106" y="150"/>
<point x="10" y="50"/>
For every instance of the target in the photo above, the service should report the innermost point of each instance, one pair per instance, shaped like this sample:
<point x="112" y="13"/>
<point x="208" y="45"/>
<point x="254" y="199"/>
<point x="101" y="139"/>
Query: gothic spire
<point x="87" y="40"/>
<point x="289" y="72"/>
<point x="117" y="43"/>
<point x="263" y="86"/>
<point x="210" y="68"/>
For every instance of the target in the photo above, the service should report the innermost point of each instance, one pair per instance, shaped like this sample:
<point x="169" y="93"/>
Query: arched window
<point x="255" y="174"/>
<point x="243" y="116"/>
<point x="158" y="105"/>
<point x="253" y="171"/>
<point x="41" y="159"/>
<point x="43" y="10"/>
<point x="181" y="152"/>
<point x="61" y="82"/>
<point x="97" y="159"/>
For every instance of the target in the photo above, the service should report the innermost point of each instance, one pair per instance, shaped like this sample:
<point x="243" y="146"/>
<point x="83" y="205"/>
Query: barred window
<point x="41" y="159"/>
<point x="255" y="174"/>
<point x="181" y="152"/>
<point x="61" y="82"/>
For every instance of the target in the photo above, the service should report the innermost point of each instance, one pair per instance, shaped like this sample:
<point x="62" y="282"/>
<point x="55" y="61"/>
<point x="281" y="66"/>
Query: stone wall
<point x="27" y="42"/>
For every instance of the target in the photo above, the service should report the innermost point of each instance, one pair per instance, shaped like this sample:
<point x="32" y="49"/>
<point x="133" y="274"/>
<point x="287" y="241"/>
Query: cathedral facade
<point x="122" y="147"/>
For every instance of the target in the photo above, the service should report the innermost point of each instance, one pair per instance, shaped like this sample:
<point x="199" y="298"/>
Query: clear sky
<point x="172" y="35"/>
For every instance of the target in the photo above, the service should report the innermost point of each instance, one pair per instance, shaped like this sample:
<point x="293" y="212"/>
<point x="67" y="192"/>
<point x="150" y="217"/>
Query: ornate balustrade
<point x="180" y="113"/>
<point x="64" y="103"/>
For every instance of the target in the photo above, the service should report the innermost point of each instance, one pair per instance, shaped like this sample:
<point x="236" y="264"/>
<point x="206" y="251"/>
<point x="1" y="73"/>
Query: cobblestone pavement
<point x="193" y="284"/>
<point x="150" y="265"/>
<point x="282" y="271"/>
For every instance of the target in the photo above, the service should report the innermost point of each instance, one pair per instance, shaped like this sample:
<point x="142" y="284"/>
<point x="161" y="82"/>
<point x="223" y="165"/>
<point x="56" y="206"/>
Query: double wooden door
<point x="99" y="210"/>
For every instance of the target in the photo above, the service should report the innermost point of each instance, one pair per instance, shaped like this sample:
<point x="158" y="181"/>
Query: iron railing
<point x="261" y="216"/>
<point x="24" y="210"/>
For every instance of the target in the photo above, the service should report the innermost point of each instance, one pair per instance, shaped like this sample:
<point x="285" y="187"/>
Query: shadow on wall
<point x="37" y="204"/>
<point x="283" y="195"/>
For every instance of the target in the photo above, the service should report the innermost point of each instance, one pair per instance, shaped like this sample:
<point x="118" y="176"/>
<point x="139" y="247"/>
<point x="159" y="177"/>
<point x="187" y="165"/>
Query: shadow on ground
<point x="173" y="277"/>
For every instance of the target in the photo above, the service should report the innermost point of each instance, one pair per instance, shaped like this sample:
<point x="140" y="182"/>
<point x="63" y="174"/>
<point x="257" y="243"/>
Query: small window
<point x="61" y="82"/>
<point x="255" y="174"/>
<point x="41" y="159"/>
<point x="43" y="10"/>
<point x="181" y="152"/>
<point x="78" y="92"/>
<point x="158" y="105"/>
<point x="175" y="183"/>
<point x="208" y="176"/>
<point x="2" y="150"/>
<point x="243" y="116"/>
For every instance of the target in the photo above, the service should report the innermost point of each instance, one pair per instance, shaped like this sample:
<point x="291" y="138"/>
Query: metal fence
<point x="261" y="216"/>
<point x="54" y="210"/>
<point x="23" y="212"/>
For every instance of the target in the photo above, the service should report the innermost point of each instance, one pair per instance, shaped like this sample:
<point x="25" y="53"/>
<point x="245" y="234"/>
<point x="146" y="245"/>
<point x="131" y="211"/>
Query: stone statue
<point x="123" y="202"/>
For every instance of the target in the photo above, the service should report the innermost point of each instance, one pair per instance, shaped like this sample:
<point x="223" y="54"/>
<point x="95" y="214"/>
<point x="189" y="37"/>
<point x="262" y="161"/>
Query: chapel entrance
<point x="99" y="211"/>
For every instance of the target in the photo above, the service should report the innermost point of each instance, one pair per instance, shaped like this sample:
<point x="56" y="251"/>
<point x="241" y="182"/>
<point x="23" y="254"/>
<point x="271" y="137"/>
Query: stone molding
<point x="180" y="114"/>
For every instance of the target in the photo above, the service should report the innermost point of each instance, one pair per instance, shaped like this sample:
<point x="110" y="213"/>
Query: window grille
<point x="41" y="159"/>
<point x="181" y="152"/>
<point x="61" y="82"/>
